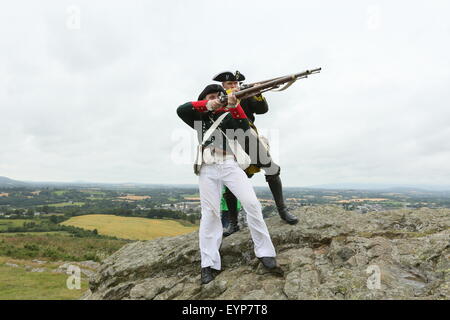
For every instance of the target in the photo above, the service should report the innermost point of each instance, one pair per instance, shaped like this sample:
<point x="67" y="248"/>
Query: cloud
<point x="98" y="103"/>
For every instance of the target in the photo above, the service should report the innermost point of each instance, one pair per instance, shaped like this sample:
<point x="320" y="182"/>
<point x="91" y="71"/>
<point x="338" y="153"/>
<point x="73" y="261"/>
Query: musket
<point x="271" y="84"/>
<point x="243" y="86"/>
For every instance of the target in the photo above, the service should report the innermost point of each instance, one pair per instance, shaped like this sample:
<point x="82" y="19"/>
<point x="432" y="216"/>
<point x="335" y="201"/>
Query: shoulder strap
<point x="213" y="127"/>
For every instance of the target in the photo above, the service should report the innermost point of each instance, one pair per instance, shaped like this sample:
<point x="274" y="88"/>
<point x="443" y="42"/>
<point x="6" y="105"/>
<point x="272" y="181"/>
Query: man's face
<point x="212" y="96"/>
<point x="230" y="85"/>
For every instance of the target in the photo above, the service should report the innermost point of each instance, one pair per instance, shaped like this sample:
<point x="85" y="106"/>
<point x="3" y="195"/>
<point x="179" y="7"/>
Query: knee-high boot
<point x="276" y="188"/>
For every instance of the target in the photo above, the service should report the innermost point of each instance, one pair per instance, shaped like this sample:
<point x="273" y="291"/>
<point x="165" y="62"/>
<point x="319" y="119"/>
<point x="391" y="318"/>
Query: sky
<point x="89" y="89"/>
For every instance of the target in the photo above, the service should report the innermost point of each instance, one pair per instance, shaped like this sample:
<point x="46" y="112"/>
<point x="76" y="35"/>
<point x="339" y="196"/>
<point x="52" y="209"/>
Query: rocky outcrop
<point x="330" y="254"/>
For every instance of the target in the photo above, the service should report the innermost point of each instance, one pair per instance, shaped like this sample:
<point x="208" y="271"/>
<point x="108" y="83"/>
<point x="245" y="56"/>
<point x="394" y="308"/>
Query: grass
<point x="130" y="227"/>
<point x="93" y="192"/>
<point x="66" y="204"/>
<point x="57" y="246"/>
<point x="38" y="233"/>
<point x="59" y="192"/>
<point x="193" y="195"/>
<point x="16" y="283"/>
<point x="5" y="223"/>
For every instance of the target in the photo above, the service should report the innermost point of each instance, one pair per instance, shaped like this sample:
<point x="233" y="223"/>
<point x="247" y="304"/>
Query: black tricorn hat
<point x="212" y="88"/>
<point x="229" y="76"/>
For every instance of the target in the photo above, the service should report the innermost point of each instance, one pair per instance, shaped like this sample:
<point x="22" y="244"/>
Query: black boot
<point x="231" y="201"/>
<point x="277" y="191"/>
<point x="207" y="275"/>
<point x="233" y="226"/>
<point x="268" y="262"/>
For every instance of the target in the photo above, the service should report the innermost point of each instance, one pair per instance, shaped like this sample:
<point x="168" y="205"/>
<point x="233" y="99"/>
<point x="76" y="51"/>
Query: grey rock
<point x="9" y="264"/>
<point x="88" y="264"/>
<point x="330" y="254"/>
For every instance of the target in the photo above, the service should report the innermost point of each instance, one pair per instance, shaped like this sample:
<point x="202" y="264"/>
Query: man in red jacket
<point x="223" y="171"/>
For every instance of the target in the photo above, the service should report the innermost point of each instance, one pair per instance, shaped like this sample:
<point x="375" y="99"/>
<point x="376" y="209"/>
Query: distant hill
<point x="10" y="183"/>
<point x="381" y="187"/>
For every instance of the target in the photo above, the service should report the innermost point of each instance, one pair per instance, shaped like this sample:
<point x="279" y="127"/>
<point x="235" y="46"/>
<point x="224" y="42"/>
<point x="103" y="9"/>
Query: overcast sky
<point x="89" y="89"/>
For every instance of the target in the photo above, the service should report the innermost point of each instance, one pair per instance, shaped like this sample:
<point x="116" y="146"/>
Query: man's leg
<point x="276" y="188"/>
<point x="225" y="219"/>
<point x="231" y="201"/>
<point x="238" y="183"/>
<point x="210" y="232"/>
<point x="263" y="160"/>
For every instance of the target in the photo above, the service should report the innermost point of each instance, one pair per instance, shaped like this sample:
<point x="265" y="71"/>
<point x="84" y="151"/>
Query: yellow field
<point x="4" y="194"/>
<point x="133" y="197"/>
<point x="361" y="200"/>
<point x="129" y="227"/>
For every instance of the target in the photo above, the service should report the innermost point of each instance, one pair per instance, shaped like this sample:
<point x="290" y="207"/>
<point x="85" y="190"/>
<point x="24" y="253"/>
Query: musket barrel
<point x="272" y="84"/>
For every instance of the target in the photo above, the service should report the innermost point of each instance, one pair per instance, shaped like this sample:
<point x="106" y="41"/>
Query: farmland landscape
<point x="45" y="228"/>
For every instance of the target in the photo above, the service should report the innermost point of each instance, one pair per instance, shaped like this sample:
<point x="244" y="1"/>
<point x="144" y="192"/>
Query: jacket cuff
<point x="236" y="113"/>
<point x="200" y="106"/>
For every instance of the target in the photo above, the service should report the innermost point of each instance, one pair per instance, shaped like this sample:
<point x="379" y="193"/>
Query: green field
<point x="93" y="192"/>
<point x="59" y="192"/>
<point x="37" y="233"/>
<point x="193" y="195"/>
<point x="16" y="283"/>
<point x="130" y="227"/>
<point x="56" y="246"/>
<point x="19" y="223"/>
<point x="5" y="223"/>
<point x="66" y="204"/>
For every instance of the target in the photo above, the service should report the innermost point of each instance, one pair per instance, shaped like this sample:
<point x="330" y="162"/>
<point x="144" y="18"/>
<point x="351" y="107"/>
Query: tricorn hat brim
<point x="229" y="76"/>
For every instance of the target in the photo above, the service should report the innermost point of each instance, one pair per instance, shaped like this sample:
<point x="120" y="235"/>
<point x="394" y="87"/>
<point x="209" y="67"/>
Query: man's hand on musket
<point x="214" y="104"/>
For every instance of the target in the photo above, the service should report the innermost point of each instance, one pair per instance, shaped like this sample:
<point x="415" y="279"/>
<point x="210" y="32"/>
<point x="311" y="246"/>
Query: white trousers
<point x="212" y="178"/>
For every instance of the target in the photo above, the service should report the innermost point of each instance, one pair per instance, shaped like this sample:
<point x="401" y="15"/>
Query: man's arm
<point x="189" y="112"/>
<point x="258" y="104"/>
